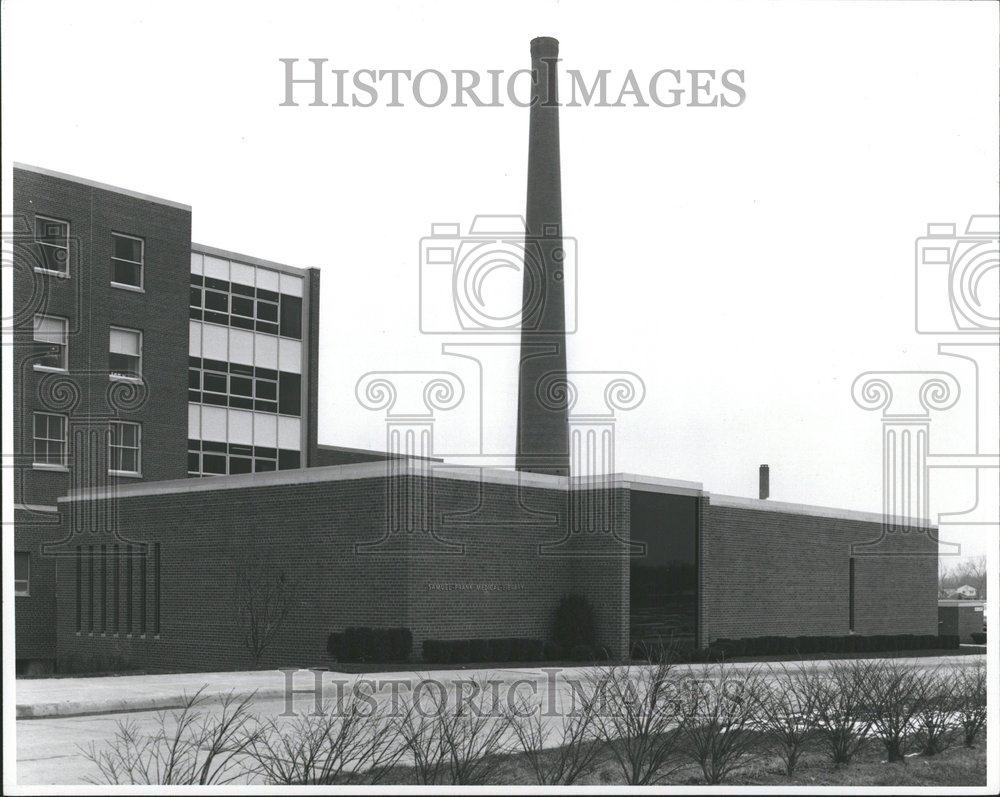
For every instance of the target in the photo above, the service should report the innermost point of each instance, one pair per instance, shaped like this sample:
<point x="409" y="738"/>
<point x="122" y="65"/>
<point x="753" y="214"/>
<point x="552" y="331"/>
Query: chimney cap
<point x="544" y="47"/>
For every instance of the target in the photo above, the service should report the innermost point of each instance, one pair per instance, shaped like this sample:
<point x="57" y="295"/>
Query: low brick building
<point x="452" y="553"/>
<point x="961" y="618"/>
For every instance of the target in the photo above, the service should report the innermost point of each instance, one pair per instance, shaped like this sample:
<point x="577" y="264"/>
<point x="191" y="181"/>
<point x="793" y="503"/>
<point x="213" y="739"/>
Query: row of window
<point x="51" y="449"/>
<point x="51" y="336"/>
<point x="127" y="253"/>
<point x="209" y="458"/>
<point x="244" y="386"/>
<point x="236" y="305"/>
<point x="111" y="573"/>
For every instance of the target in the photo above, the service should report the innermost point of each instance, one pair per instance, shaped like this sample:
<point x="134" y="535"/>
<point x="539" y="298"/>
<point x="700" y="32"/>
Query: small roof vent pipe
<point x="764" y="482"/>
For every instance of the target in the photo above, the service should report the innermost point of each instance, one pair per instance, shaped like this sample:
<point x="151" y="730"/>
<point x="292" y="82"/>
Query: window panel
<point x="290" y="397"/>
<point x="49" y="439"/>
<point x="22" y="573"/>
<point x="51" y="337"/>
<point x="52" y="239"/>
<point x="125" y="352"/>
<point x="291" y="316"/>
<point x="124" y="447"/>
<point x="126" y="260"/>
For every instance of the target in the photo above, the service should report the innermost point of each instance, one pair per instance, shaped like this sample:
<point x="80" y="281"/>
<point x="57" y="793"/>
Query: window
<point x="50" y="333"/>
<point x="50" y="440"/>
<point x="245" y="307"/>
<point x="125" y="358"/>
<point x="126" y="260"/>
<point x="210" y="458"/>
<point x="22" y="573"/>
<point x="52" y="238"/>
<point x="125" y="448"/>
<point x="850" y="594"/>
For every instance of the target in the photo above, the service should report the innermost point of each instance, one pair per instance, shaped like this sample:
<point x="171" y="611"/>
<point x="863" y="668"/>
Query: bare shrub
<point x="786" y="713"/>
<point x="262" y="600"/>
<point x="574" y="750"/>
<point x="937" y="721"/>
<point x="351" y="744"/>
<point x="971" y="702"/>
<point x="188" y="747"/>
<point x="894" y="694"/>
<point x="639" y="717"/>
<point x="462" y="744"/>
<point x="721" y="732"/>
<point x="841" y="713"/>
<point x="422" y="739"/>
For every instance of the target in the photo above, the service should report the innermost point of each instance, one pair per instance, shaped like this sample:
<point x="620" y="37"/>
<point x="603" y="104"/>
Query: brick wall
<point x="776" y="573"/>
<point x="34" y="614"/>
<point x="485" y="573"/>
<point x="85" y="395"/>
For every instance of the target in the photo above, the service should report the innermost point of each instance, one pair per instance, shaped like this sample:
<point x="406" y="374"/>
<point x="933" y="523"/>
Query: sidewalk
<point x="39" y="698"/>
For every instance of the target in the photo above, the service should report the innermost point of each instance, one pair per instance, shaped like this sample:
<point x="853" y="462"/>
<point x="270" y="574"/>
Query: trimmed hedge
<point x="506" y="650"/>
<point x="802" y="645"/>
<point x="488" y="651"/>
<point x="365" y="644"/>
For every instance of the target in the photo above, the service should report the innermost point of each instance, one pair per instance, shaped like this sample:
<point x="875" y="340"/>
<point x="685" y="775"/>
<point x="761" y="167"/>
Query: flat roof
<point x="375" y="470"/>
<point x="767" y="505"/>
<point x="26" y="167"/>
<point x="250" y="260"/>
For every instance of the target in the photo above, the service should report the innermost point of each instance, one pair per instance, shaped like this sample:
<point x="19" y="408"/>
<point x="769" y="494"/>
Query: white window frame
<point x="122" y="377"/>
<point x="141" y="287"/>
<point x="34" y="232"/>
<point x="25" y="591"/>
<point x="65" y="345"/>
<point x="138" y="448"/>
<point x="64" y="440"/>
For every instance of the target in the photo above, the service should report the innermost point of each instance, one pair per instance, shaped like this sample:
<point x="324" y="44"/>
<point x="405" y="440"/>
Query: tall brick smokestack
<point x="542" y="410"/>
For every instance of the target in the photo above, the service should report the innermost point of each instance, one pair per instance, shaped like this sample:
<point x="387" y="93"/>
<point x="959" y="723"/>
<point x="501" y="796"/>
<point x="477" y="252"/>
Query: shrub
<point x="433" y="650"/>
<point x="786" y="713"/>
<point x="503" y="649"/>
<point x="581" y="653"/>
<point x="551" y="651"/>
<point x="353" y="744"/>
<point x="979" y="637"/>
<point x="480" y="650"/>
<point x="936" y="721"/>
<point x="720" y="732"/>
<point x="575" y="751"/>
<point x="841" y="715"/>
<point x="188" y="748"/>
<point x="461" y="744"/>
<point x="640" y="721"/>
<point x="364" y="644"/>
<point x="894" y="695"/>
<point x="574" y="622"/>
<point x="972" y="701"/>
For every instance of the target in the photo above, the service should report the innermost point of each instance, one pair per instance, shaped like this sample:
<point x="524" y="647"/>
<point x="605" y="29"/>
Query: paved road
<point x="49" y="748"/>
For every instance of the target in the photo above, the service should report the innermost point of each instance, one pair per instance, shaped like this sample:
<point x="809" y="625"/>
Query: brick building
<point x="125" y="554"/>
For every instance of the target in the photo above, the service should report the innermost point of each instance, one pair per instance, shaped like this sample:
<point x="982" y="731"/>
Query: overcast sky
<point x="746" y="262"/>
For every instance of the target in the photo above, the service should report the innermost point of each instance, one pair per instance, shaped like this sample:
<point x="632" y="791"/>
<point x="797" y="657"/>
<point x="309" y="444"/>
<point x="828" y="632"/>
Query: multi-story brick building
<point x="117" y="310"/>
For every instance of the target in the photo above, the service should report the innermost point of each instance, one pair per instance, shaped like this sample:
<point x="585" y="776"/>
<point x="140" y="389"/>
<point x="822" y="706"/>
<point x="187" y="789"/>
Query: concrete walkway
<point x="69" y="697"/>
